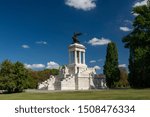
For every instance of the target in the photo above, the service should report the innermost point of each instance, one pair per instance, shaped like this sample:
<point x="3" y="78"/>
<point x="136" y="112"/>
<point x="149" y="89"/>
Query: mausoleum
<point x="74" y="76"/>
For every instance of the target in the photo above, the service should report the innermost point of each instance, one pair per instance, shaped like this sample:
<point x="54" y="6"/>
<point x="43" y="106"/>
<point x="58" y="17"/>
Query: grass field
<point x="123" y="94"/>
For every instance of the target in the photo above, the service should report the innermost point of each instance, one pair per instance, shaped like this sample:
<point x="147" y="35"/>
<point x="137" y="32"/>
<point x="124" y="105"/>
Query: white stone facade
<point x="75" y="76"/>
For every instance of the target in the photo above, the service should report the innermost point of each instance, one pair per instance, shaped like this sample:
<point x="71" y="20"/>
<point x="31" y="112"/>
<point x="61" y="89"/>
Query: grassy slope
<point x="129" y="94"/>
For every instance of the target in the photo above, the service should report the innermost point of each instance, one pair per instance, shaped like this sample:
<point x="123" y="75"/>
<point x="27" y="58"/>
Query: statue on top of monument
<point x="75" y="37"/>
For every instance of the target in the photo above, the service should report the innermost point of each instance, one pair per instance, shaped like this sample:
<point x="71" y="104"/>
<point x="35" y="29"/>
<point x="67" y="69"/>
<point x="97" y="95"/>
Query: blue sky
<point x="38" y="32"/>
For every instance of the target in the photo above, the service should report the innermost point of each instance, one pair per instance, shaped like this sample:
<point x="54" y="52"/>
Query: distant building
<point x="100" y="81"/>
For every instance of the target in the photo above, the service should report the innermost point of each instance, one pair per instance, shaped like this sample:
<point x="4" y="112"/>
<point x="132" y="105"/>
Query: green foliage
<point x="32" y="82"/>
<point x="40" y="76"/>
<point x="20" y="77"/>
<point x="13" y="77"/>
<point x="111" y="69"/>
<point x="138" y="42"/>
<point x="54" y="72"/>
<point x="123" y="82"/>
<point x="7" y="75"/>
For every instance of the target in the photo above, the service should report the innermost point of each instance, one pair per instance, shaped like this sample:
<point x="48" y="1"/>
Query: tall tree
<point x="138" y="42"/>
<point x="111" y="69"/>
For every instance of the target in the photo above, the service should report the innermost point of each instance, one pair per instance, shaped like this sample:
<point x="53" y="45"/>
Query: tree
<point x="7" y="76"/>
<point x="41" y="76"/>
<point x="111" y="69"/>
<point x="123" y="82"/>
<point x="21" y="77"/>
<point x="138" y="42"/>
<point x="13" y="76"/>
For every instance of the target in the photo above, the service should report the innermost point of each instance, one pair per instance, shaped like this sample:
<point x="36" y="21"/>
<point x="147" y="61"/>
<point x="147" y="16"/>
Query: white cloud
<point x="99" y="60"/>
<point x="96" y="41"/>
<point x="128" y="21"/>
<point x="122" y="65"/>
<point x="135" y="14"/>
<point x="92" y="61"/>
<point x="85" y="5"/>
<point x="125" y="29"/>
<point x="52" y="65"/>
<point x="41" y="42"/>
<point x="144" y="2"/>
<point x="97" y="67"/>
<point x="25" y="46"/>
<point x="34" y="66"/>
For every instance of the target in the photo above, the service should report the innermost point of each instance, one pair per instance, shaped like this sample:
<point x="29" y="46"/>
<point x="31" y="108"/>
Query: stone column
<point x="75" y="57"/>
<point x="83" y="57"/>
<point x="69" y="57"/>
<point x="80" y="57"/>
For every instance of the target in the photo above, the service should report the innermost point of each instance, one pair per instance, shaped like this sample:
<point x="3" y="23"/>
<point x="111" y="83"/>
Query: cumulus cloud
<point x="125" y="29"/>
<point x="34" y="66"/>
<point x="96" y="41"/>
<point x="97" y="67"/>
<point x="93" y="61"/>
<point x="122" y="65"/>
<point x="25" y="46"/>
<point x="52" y="65"/>
<point x="144" y="2"/>
<point x="41" y="42"/>
<point x="85" y="5"/>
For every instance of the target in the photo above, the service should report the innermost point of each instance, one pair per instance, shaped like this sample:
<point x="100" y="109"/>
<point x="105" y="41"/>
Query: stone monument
<point x="74" y="76"/>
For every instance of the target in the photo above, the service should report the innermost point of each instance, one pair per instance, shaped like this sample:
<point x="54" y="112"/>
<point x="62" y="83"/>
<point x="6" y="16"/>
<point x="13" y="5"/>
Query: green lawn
<point x="126" y="94"/>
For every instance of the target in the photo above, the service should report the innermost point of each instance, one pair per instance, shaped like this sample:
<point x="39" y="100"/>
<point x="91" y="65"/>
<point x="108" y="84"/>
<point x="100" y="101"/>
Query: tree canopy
<point x="13" y="76"/>
<point x="138" y="42"/>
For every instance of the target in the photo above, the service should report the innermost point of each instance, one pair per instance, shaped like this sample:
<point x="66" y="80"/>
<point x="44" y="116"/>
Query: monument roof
<point x="77" y="45"/>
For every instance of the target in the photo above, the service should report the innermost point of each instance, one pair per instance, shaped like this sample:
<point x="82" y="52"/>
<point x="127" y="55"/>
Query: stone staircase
<point x="68" y="83"/>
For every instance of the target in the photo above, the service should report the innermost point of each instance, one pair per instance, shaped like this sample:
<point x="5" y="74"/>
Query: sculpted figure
<point x="75" y="37"/>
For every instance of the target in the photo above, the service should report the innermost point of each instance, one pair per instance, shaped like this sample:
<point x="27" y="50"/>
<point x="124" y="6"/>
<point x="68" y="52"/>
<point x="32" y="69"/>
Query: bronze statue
<point x="75" y="37"/>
